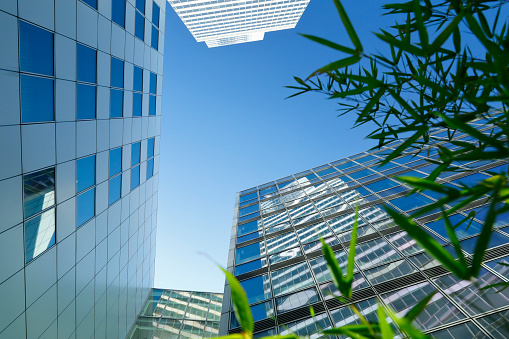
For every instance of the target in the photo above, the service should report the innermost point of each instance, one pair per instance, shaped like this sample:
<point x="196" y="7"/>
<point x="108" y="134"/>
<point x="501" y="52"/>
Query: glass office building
<point x="178" y="315"/>
<point x="276" y="253"/>
<point x="228" y="22"/>
<point x="81" y="84"/>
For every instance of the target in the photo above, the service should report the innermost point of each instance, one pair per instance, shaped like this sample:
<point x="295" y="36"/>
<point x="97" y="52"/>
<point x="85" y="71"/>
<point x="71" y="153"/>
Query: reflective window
<point x="39" y="234"/>
<point x="462" y="228"/>
<point x="155" y="38"/>
<point x="407" y="204"/>
<point x="329" y="290"/>
<point x="307" y="328"/>
<point x="248" y="197"/>
<point x="139" y="26"/>
<point x="153" y="83"/>
<point x="85" y="173"/>
<point x="138" y="79"/>
<point x="293" y="301"/>
<point x="116" y="103"/>
<point x="249" y="252"/>
<point x="150" y="147"/>
<point x="118" y="12"/>
<point x="115" y="161"/>
<point x="257" y="288"/>
<point x="150" y="168"/>
<point x="36" y="99"/>
<point x="291" y="278"/>
<point x="346" y="316"/>
<point x="320" y="269"/>
<point x="38" y="191"/>
<point x="281" y="242"/>
<point x="250" y="266"/>
<point x="114" y="189"/>
<point x="85" y="207"/>
<point x="135" y="177"/>
<point x="382" y="185"/>
<point x="86" y="64"/>
<point x="389" y="271"/>
<point x="404" y="243"/>
<point x="151" y="105"/>
<point x="140" y="6"/>
<point x="117" y="73"/>
<point x="155" y="14"/>
<point x="466" y="330"/>
<point x="135" y="153"/>
<point x="248" y="237"/>
<point x="35" y="49"/>
<point x="248" y="210"/>
<point x="91" y="3"/>
<point x="249" y="227"/>
<point x="259" y="312"/>
<point x="85" y="102"/>
<point x="496" y="239"/>
<point x="374" y="252"/>
<point x="137" y="104"/>
<point x="249" y="216"/>
<point x="276" y="219"/>
<point x="313" y="232"/>
<point x="496" y="324"/>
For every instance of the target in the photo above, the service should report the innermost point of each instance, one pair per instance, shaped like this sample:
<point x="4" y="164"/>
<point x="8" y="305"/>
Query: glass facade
<point x="276" y="254"/>
<point x="77" y="221"/>
<point x="178" y="315"/>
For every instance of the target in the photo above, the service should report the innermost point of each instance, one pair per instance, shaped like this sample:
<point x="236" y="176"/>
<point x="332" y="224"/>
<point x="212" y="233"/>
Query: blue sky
<point x="227" y="127"/>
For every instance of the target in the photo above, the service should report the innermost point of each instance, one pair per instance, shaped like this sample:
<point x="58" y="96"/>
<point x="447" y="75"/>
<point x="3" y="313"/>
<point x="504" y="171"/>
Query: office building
<point x="178" y="314"/>
<point x="81" y="84"/>
<point x="276" y="253"/>
<point x="227" y="22"/>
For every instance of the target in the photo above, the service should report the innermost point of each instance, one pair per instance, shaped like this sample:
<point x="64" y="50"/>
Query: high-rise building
<point x="81" y="85"/>
<point x="178" y="314"/>
<point x="276" y="253"/>
<point x="227" y="22"/>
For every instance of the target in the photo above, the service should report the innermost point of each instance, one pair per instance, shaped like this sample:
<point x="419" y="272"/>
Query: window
<point x="117" y="73"/>
<point x="150" y="168"/>
<point x="138" y="79"/>
<point x="114" y="189"/>
<point x="155" y="38"/>
<point x="35" y="49"/>
<point x="36" y="99"/>
<point x="115" y="161"/>
<point x="135" y="177"/>
<point x="135" y="153"/>
<point x="155" y="15"/>
<point x="116" y="103"/>
<point x="140" y="6"/>
<point x="249" y="227"/>
<point x="91" y="3"/>
<point x="150" y="147"/>
<point x="137" y="104"/>
<point x="38" y="191"/>
<point x="39" y="234"/>
<point x="153" y="83"/>
<point x="151" y="105"/>
<point x="85" y="173"/>
<point x="85" y="102"/>
<point x="139" y="26"/>
<point x="85" y="207"/>
<point x="249" y="252"/>
<point x="118" y="12"/>
<point x="257" y="288"/>
<point x="86" y="64"/>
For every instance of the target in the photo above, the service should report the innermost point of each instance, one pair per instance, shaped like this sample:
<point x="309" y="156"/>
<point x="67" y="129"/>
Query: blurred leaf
<point x="240" y="304"/>
<point x="385" y="328"/>
<point x="348" y="26"/>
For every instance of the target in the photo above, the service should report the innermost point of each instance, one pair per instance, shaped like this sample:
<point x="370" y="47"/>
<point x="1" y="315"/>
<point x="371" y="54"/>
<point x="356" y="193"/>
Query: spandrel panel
<point x="296" y="300"/>
<point x="38" y="191"/>
<point x="291" y="278"/>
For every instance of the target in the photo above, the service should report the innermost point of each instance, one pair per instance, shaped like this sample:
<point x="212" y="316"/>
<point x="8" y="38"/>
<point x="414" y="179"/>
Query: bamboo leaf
<point x="348" y="25"/>
<point x="385" y="328"/>
<point x="331" y="44"/>
<point x="337" y="275"/>
<point x="446" y="33"/>
<point x="454" y="240"/>
<point x="351" y="253"/>
<point x="240" y="304"/>
<point x="417" y="309"/>
<point x="336" y="65"/>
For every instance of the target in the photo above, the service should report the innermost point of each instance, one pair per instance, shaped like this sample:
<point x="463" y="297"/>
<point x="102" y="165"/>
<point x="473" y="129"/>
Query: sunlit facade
<point x="227" y="22"/>
<point x="275" y="249"/>
<point x="81" y="85"/>
<point x="178" y="315"/>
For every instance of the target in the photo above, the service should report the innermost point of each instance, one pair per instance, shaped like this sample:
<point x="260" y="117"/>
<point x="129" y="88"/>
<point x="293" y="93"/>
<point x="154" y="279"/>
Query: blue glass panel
<point x="250" y="266"/>
<point x="114" y="189"/>
<point x="482" y="212"/>
<point x="150" y="147"/>
<point x="140" y="6"/>
<point x="382" y="185"/>
<point x="85" y="102"/>
<point x="135" y="177"/>
<point x="117" y="73"/>
<point x="138" y="79"/>
<point x="248" y="253"/>
<point x="35" y="49"/>
<point x="249" y="227"/>
<point x="462" y="230"/>
<point x="249" y="209"/>
<point x="411" y="202"/>
<point x="496" y="239"/>
<point x="86" y="64"/>
<point x="85" y="173"/>
<point x="257" y="288"/>
<point x="153" y="83"/>
<point x="91" y="3"/>
<point x="150" y="168"/>
<point x="116" y="103"/>
<point x="155" y="14"/>
<point x="85" y="207"/>
<point x="38" y="191"/>
<point x="39" y="234"/>
<point x="471" y="179"/>
<point x="248" y="197"/>
<point x="155" y="38"/>
<point x="152" y="105"/>
<point x="137" y="107"/>
<point x="259" y="312"/>
<point x="139" y="26"/>
<point x="248" y="237"/>
<point x="118" y="12"/>
<point x="115" y="161"/>
<point x="135" y="153"/>
<point x="36" y="99"/>
<point x="249" y="216"/>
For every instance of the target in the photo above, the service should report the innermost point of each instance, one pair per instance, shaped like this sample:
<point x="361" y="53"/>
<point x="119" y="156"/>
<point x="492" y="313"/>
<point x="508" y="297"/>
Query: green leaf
<point x="348" y="25"/>
<point x="454" y="240"/>
<point x="446" y="33"/>
<point x="385" y="328"/>
<point x="331" y="44"/>
<point x="484" y="237"/>
<point x="240" y="303"/>
<point x="351" y="253"/>
<point x="417" y="309"/>
<point x="407" y="47"/>
<point x="300" y="81"/>
<point x="336" y="65"/>
<point x="232" y="336"/>
<point x="504" y="285"/>
<point x="341" y="283"/>
<point x="369" y="106"/>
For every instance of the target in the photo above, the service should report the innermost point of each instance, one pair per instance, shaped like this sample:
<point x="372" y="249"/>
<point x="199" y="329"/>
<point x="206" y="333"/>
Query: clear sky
<point x="227" y="127"/>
